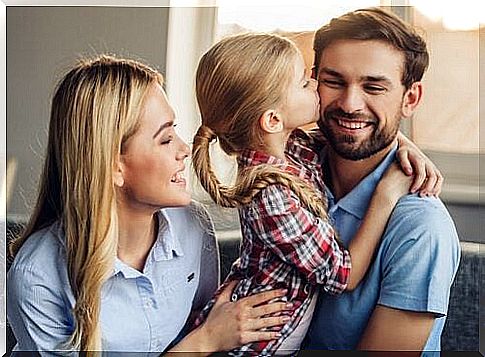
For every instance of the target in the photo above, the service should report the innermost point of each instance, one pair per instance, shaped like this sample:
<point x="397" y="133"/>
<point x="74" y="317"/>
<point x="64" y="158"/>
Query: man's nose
<point x="351" y="100"/>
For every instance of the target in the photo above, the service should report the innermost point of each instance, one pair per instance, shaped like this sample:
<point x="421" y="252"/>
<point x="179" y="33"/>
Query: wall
<point x="42" y="43"/>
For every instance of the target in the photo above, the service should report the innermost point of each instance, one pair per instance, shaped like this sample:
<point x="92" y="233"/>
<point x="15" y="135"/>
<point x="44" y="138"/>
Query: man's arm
<point x="420" y="263"/>
<point x="392" y="329"/>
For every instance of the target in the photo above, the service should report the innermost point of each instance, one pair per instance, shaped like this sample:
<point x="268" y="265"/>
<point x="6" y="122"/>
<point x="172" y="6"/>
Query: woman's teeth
<point x="178" y="177"/>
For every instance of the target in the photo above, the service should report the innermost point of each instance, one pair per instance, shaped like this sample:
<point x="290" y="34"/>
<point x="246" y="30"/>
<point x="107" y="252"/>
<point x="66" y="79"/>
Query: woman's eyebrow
<point x="165" y="125"/>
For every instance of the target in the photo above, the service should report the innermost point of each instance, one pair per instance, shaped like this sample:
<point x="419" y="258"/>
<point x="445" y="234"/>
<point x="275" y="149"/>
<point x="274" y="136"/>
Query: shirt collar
<point x="356" y="201"/>
<point x="249" y="157"/>
<point x="168" y="241"/>
<point x="166" y="246"/>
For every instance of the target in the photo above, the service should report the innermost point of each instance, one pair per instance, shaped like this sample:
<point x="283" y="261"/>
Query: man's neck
<point x="346" y="174"/>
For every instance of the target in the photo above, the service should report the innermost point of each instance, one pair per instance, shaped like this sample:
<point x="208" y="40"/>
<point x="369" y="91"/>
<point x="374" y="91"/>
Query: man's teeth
<point x="352" y="124"/>
<point x="178" y="177"/>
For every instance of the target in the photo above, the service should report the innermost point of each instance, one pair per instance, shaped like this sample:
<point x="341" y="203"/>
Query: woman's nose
<point x="184" y="150"/>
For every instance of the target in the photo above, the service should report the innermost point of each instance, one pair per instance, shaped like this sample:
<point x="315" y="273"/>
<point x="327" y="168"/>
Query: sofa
<point x="461" y="332"/>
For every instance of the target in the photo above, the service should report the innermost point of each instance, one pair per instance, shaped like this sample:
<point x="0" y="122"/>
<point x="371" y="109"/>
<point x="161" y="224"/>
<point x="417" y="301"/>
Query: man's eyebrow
<point x="331" y="72"/>
<point x="381" y="79"/>
<point x="164" y="126"/>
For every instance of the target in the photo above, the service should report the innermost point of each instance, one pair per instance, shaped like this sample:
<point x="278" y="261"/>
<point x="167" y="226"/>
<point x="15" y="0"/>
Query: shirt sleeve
<point x="421" y="258"/>
<point x="299" y="238"/>
<point x="36" y="311"/>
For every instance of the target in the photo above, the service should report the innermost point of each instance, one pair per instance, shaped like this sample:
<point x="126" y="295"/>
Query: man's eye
<point x="374" y="89"/>
<point x="332" y="83"/>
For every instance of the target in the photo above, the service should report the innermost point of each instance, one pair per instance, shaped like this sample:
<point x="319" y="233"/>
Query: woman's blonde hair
<point x="237" y="80"/>
<point x="94" y="110"/>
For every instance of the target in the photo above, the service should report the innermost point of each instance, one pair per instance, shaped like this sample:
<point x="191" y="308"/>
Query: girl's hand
<point x="428" y="180"/>
<point x="393" y="185"/>
<point x="233" y="324"/>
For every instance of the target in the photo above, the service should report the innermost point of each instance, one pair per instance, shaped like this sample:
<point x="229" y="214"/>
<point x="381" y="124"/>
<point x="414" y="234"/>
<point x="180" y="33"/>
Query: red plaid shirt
<point x="284" y="244"/>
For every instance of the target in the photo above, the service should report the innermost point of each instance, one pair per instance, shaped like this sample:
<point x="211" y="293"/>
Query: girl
<point x="113" y="254"/>
<point x="253" y="94"/>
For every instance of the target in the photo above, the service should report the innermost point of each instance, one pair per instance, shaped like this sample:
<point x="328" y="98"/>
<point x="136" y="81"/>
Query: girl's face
<point x="152" y="164"/>
<point x="302" y="104"/>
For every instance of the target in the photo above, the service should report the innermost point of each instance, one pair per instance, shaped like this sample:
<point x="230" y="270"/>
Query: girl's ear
<point x="118" y="178"/>
<point x="271" y="122"/>
<point x="411" y="99"/>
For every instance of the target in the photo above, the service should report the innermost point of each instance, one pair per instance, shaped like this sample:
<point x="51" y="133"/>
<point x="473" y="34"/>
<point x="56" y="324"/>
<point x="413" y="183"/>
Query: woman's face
<point x="152" y="162"/>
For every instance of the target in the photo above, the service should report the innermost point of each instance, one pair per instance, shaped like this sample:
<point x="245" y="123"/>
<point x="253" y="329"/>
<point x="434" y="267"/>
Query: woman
<point x="113" y="253"/>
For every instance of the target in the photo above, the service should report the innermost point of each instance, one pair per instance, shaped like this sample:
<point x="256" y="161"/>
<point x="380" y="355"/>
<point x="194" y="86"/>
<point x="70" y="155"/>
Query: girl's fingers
<point x="403" y="158"/>
<point x="419" y="176"/>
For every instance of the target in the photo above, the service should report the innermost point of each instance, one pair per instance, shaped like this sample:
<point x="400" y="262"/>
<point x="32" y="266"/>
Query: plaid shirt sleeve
<point x="299" y="238"/>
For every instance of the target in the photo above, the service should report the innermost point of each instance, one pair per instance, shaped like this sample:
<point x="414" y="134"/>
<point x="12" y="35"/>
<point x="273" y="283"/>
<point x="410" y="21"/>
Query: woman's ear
<point x="271" y="122"/>
<point x="412" y="97"/>
<point x="118" y="178"/>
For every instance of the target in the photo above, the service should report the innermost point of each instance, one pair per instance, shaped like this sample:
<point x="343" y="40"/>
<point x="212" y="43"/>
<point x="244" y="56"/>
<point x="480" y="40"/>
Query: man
<point x="369" y="65"/>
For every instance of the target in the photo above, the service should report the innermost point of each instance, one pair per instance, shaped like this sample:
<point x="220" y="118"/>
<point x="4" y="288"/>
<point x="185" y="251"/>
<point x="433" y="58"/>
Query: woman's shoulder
<point x="40" y="249"/>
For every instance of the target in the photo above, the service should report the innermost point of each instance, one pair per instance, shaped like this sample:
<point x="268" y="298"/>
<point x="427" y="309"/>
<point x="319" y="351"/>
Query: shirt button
<point x="234" y="297"/>
<point x="306" y="288"/>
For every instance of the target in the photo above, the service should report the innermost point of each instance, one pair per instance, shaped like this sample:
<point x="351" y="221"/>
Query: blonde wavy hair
<point x="237" y="80"/>
<point x="94" y="110"/>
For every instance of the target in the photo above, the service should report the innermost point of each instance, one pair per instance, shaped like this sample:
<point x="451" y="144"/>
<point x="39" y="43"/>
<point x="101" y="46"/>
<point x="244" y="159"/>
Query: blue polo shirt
<point x="413" y="267"/>
<point x="141" y="311"/>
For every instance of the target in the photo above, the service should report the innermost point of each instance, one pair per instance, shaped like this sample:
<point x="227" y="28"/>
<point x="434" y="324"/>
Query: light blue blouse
<point x="140" y="311"/>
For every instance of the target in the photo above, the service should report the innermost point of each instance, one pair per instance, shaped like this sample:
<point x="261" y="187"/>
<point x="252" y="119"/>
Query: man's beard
<point x="344" y="145"/>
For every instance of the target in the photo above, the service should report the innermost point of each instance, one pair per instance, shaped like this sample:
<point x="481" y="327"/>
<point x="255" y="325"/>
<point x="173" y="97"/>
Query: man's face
<point x="361" y="96"/>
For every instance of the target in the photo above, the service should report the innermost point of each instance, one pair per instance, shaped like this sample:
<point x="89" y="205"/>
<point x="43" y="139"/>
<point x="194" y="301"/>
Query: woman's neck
<point x="137" y="233"/>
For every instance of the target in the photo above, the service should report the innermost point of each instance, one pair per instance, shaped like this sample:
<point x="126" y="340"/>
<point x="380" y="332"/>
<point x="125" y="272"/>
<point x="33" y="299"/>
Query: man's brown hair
<point x="377" y="24"/>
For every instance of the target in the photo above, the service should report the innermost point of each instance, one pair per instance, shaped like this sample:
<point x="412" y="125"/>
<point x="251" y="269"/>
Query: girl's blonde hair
<point x="237" y="80"/>
<point x="94" y="110"/>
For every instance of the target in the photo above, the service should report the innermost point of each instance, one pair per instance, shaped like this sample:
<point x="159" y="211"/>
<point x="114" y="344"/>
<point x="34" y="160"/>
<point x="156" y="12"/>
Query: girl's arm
<point x="392" y="186"/>
<point x="428" y="180"/>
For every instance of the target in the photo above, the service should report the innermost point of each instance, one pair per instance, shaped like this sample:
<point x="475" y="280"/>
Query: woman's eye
<point x="306" y="84"/>
<point x="167" y="140"/>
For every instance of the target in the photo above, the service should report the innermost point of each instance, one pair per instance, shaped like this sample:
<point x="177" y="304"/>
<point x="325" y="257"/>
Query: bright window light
<point x="294" y="16"/>
<point x="455" y="15"/>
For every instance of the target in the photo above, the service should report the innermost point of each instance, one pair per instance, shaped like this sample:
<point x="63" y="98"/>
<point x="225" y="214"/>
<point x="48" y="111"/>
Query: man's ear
<point x="118" y="178"/>
<point x="412" y="97"/>
<point x="271" y="122"/>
